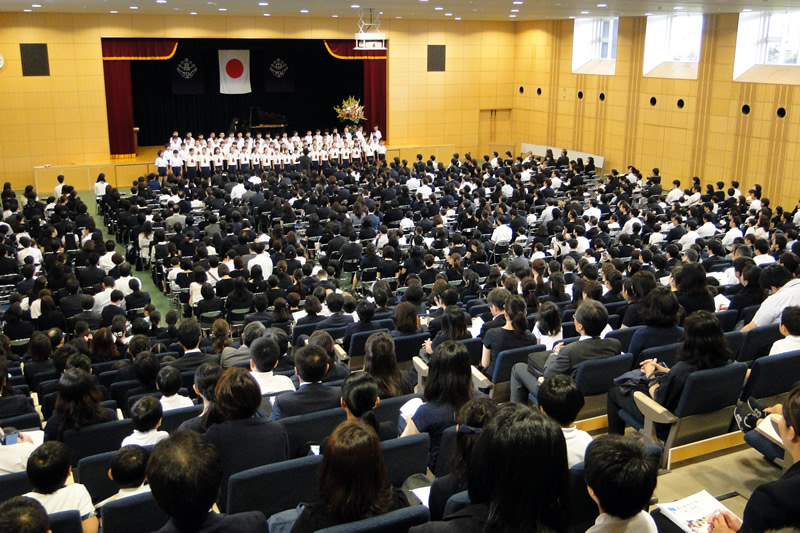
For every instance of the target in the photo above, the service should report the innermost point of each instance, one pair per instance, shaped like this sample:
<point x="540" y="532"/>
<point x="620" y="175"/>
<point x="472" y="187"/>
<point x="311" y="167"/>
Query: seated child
<point x="790" y="328"/>
<point x="146" y="416"/>
<point x="128" y="468"/>
<point x="48" y="469"/>
<point x="23" y="515"/>
<point x="620" y="477"/>
<point x="561" y="399"/>
<point x="169" y="383"/>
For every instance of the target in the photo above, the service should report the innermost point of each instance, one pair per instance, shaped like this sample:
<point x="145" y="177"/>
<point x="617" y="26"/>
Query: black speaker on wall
<point x="436" y="57"/>
<point x="35" y="61"/>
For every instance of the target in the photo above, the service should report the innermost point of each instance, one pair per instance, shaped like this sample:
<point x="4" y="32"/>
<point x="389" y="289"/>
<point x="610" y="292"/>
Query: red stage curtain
<point x="117" y="56"/>
<point x="374" y="78"/>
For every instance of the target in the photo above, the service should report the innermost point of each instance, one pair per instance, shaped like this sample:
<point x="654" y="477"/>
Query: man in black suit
<point x="261" y="315"/>
<point x="497" y="300"/>
<point x="366" y="312"/>
<point x="310" y="364"/>
<point x="352" y="250"/>
<point x="590" y="321"/>
<point x="70" y="304"/>
<point x="337" y="319"/>
<point x="677" y="230"/>
<point x="92" y="274"/>
<point x="87" y="315"/>
<point x="563" y="160"/>
<point x="189" y="334"/>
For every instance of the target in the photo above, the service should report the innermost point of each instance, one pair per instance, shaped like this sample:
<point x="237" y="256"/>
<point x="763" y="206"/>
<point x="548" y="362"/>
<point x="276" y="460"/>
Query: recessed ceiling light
<point x="746" y="10"/>
<point x="161" y="1"/>
<point x="512" y="16"/>
<point x="515" y="10"/>
<point x="27" y="10"/>
<point x="398" y="17"/>
<point x="36" y="5"/>
<point x="438" y="8"/>
<point x="572" y="17"/>
<point x="448" y="14"/>
<point x="223" y="9"/>
<point x="423" y="0"/>
<point x="457" y="18"/>
<point x="648" y="14"/>
<point x="193" y="13"/>
<point x="134" y="7"/>
<point x="114" y="12"/>
<point x="355" y="6"/>
<point x="304" y="11"/>
<point x="263" y="3"/>
<point x="602" y="5"/>
<point x="677" y="8"/>
<point x="267" y="14"/>
<point x="335" y="16"/>
<point x="517" y="2"/>
<point x="584" y="12"/>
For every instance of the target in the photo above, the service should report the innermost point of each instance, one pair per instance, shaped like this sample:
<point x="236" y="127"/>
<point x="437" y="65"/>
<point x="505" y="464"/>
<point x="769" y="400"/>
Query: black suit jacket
<point x="336" y="320"/>
<point x="70" y="304"/>
<point x="309" y="398"/>
<point x="774" y="505"/>
<point x="566" y="361"/>
<point x="192" y="360"/>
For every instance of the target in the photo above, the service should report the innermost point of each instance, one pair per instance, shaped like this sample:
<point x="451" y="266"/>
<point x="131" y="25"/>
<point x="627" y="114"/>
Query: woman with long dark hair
<point x="514" y="334"/>
<point x="661" y="313"/>
<point x="704" y="347"/>
<point x="693" y="293"/>
<point x="380" y="361"/>
<point x="454" y="328"/>
<point x="634" y="289"/>
<point x="77" y="405"/>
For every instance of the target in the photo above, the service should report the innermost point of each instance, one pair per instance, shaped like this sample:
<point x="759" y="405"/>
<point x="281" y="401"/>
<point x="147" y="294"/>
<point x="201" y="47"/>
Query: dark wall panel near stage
<point x="314" y="82"/>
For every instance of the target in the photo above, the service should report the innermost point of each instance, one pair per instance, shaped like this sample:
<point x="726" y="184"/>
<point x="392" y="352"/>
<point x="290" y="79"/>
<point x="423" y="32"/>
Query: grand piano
<point x="266" y="123"/>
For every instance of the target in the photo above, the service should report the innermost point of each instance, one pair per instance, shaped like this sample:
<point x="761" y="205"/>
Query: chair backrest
<point x="735" y="340"/>
<point x="596" y="376"/>
<point x="508" y="358"/>
<point x="727" y="319"/>
<point x="583" y="510"/>
<point x="398" y="521"/>
<point x="389" y="409"/>
<point x="667" y="354"/>
<point x="772" y="376"/>
<point x="92" y="472"/>
<point x="710" y="390"/>
<point x="568" y="330"/>
<point x="387" y="323"/>
<point x="476" y="310"/>
<point x="174" y="418"/>
<point x="447" y="450"/>
<point x="408" y="346"/>
<point x="95" y="439"/>
<point x="66" y="522"/>
<point x="405" y="456"/>
<point x="311" y="427"/>
<point x="616" y="308"/>
<point x="303" y="329"/>
<point x="336" y="333"/>
<point x="475" y="349"/>
<point x="758" y="341"/>
<point x="748" y="313"/>
<point x="358" y="342"/>
<point x="26" y="421"/>
<point x="133" y="515"/>
<point x="15" y="484"/>
<point x="456" y="502"/>
<point x="119" y="392"/>
<point x="624" y="336"/>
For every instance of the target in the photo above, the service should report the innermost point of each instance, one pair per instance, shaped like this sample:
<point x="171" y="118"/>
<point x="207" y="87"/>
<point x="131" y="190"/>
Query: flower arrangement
<point x="351" y="110"/>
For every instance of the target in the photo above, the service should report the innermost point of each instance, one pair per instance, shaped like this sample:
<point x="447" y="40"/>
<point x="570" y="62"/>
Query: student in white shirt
<point x="264" y="357"/>
<point x="790" y="329"/>
<point x="14" y="457"/>
<point x="169" y="382"/>
<point x="48" y="470"/>
<point x="620" y="476"/>
<point x="146" y="416"/>
<point x="128" y="470"/>
<point x="560" y="398"/>
<point x="675" y="193"/>
<point x="548" y="325"/>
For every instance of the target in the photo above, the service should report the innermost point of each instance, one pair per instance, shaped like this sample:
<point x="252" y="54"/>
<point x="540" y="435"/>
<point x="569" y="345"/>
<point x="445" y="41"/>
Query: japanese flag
<point x="234" y="71"/>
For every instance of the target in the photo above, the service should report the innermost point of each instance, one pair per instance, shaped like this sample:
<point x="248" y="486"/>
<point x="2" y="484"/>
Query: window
<point x="672" y="46"/>
<point x="780" y="43"/>
<point x="768" y="48"/>
<point x="594" y="46"/>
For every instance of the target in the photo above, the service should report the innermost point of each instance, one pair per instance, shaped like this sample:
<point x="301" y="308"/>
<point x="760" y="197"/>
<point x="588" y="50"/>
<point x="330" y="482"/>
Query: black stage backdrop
<point x="314" y="82"/>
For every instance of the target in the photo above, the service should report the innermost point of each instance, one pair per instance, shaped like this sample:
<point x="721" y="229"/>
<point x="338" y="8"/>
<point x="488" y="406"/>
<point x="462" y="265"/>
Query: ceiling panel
<point x="386" y="9"/>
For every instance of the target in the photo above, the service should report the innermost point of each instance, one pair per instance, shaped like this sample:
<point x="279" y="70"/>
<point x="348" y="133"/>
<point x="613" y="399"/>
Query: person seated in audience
<point x="239" y="297"/>
<point x="359" y="397"/>
<point x="704" y="347"/>
<point x="790" y="329"/>
<point x="517" y="477"/>
<point x="590" y="319"/>
<point x="365" y="311"/>
<point x="231" y="356"/>
<point x="495" y="318"/>
<point x="145" y="370"/>
<point x="773" y="505"/>
<point x="783" y="290"/>
<point x="23" y="515"/>
<point x="146" y="416"/>
<point x="209" y="303"/>
<point x="620" y="477"/>
<point x="406" y="321"/>
<point x="692" y="288"/>
<point x="472" y="417"/>
<point x="11" y="403"/>
<point x="189" y="335"/>
<point x="205" y="381"/>
<point x="14" y="457"/>
<point x="88" y="315"/>
<point x="337" y="370"/>
<point x="260" y="305"/>
<point x="168" y="382"/>
<point x="48" y="470"/>
<point x="50" y="315"/>
<point x="77" y="405"/>
<point x="185" y="472"/>
<point x="337" y="318"/>
<point x="447" y="389"/>
<point x="352" y="480"/>
<point x="264" y="357"/>
<point x="171" y="331"/>
<point x="749" y="291"/>
<point x="113" y="308"/>
<point x="561" y="399"/>
<point x="380" y="362"/>
<point x="103" y="346"/>
<point x="312" y="307"/>
<point x="136" y="297"/>
<point x="514" y="333"/>
<point x="127" y="470"/>
<point x="634" y="289"/>
<point x="40" y="363"/>
<point x="547" y="329"/>
<point x="256" y="441"/>
<point x="311" y="365"/>
<point x="661" y="313"/>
